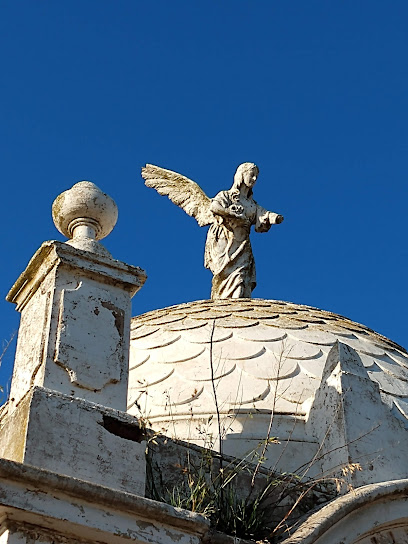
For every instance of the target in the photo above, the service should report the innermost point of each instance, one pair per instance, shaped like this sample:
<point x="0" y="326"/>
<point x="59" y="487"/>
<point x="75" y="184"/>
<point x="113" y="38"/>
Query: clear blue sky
<point x="314" y="92"/>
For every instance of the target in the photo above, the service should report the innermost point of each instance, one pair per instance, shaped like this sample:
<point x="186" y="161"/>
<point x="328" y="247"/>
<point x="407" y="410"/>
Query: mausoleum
<point x="108" y="412"/>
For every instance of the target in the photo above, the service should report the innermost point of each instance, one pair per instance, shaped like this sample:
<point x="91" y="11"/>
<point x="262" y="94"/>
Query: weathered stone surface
<point x="26" y="533"/>
<point x="268" y="361"/>
<point x="329" y="396"/>
<point x="37" y="503"/>
<point x="74" y="331"/>
<point x="230" y="214"/>
<point x="373" y="514"/>
<point x="353" y="426"/>
<point x="85" y="214"/>
<point x="90" y="330"/>
<point x="174" y="465"/>
<point x="77" y="438"/>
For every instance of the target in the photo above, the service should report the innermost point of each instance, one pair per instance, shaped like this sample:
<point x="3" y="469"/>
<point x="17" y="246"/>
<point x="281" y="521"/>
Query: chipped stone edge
<point x="107" y="497"/>
<point x="53" y="252"/>
<point x="326" y="518"/>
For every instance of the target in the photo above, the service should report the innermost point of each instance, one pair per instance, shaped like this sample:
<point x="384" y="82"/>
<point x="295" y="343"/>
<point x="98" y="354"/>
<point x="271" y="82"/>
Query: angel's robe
<point x="228" y="251"/>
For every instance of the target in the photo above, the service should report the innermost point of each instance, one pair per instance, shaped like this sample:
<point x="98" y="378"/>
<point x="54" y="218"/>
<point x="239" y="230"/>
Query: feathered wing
<point x="182" y="191"/>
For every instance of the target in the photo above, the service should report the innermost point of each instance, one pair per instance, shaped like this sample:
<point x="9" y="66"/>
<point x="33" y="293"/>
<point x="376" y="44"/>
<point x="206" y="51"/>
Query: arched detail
<point x="373" y="514"/>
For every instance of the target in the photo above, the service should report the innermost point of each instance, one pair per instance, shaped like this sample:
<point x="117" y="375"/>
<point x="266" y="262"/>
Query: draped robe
<point x="228" y="251"/>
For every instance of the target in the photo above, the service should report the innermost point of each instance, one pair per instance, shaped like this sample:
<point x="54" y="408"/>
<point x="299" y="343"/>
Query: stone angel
<point x="230" y="214"/>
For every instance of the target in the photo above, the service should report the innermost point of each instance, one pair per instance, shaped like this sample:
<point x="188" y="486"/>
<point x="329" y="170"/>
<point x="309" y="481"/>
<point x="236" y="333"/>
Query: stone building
<point x="325" y="398"/>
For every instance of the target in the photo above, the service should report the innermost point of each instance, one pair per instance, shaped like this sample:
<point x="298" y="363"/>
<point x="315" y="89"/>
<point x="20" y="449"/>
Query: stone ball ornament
<point x="85" y="214"/>
<point x="84" y="210"/>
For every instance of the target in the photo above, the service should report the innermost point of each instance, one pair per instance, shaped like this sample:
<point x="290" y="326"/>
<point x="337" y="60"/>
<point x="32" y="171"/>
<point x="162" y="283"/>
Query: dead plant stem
<point x="217" y="410"/>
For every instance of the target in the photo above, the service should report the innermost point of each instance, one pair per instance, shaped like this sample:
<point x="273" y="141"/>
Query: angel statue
<point x="228" y="252"/>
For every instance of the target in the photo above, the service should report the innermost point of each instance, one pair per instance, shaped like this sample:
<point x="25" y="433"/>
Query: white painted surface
<point x="84" y="213"/>
<point x="373" y="514"/>
<point x="74" y="331"/>
<point x="353" y="425"/>
<point x="268" y="357"/>
<point x="90" y="336"/>
<point x="66" y="508"/>
<point x="84" y="440"/>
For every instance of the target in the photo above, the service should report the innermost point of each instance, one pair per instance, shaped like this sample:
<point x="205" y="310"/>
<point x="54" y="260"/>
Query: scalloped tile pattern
<point x="265" y="353"/>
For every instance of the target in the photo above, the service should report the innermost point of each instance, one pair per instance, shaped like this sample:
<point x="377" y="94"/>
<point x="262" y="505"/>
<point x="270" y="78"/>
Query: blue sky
<point x="313" y="92"/>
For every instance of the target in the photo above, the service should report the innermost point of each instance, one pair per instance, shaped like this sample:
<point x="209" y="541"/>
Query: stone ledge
<point x="45" y="484"/>
<point x="77" y="438"/>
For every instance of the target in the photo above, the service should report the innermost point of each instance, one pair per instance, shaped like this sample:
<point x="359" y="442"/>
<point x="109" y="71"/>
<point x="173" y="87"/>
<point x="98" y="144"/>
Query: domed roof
<point x="266" y="355"/>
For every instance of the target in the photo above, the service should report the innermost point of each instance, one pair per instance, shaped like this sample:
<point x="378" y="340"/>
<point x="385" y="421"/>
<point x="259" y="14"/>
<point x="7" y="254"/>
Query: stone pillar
<point x="75" y="303"/>
<point x="67" y="408"/>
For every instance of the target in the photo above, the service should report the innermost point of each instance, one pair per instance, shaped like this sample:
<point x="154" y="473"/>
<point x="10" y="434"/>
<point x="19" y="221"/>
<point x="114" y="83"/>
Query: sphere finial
<point x="85" y="214"/>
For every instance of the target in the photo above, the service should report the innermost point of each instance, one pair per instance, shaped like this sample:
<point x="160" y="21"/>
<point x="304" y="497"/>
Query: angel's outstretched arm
<point x="265" y="218"/>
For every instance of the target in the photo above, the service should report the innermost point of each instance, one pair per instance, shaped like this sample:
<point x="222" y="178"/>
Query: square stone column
<point x="67" y="407"/>
<point x="75" y="317"/>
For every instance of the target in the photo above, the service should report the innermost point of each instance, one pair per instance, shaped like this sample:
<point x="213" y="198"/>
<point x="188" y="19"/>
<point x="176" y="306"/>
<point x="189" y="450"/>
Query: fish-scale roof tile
<point x="264" y="355"/>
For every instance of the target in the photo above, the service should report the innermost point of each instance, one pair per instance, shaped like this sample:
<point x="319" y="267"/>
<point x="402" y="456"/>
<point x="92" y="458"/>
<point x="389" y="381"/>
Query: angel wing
<point x="182" y="191"/>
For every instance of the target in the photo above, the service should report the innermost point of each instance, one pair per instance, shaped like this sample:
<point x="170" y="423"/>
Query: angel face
<point x="250" y="176"/>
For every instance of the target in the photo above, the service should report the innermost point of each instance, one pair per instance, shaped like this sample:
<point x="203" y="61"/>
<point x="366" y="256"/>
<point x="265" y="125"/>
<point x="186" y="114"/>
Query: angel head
<point x="247" y="174"/>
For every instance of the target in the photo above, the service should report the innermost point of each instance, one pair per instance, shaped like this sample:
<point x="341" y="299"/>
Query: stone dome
<point x="267" y="356"/>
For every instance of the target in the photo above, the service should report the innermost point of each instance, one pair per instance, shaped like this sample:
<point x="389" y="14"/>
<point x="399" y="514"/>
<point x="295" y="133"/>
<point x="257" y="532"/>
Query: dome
<point x="267" y="357"/>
